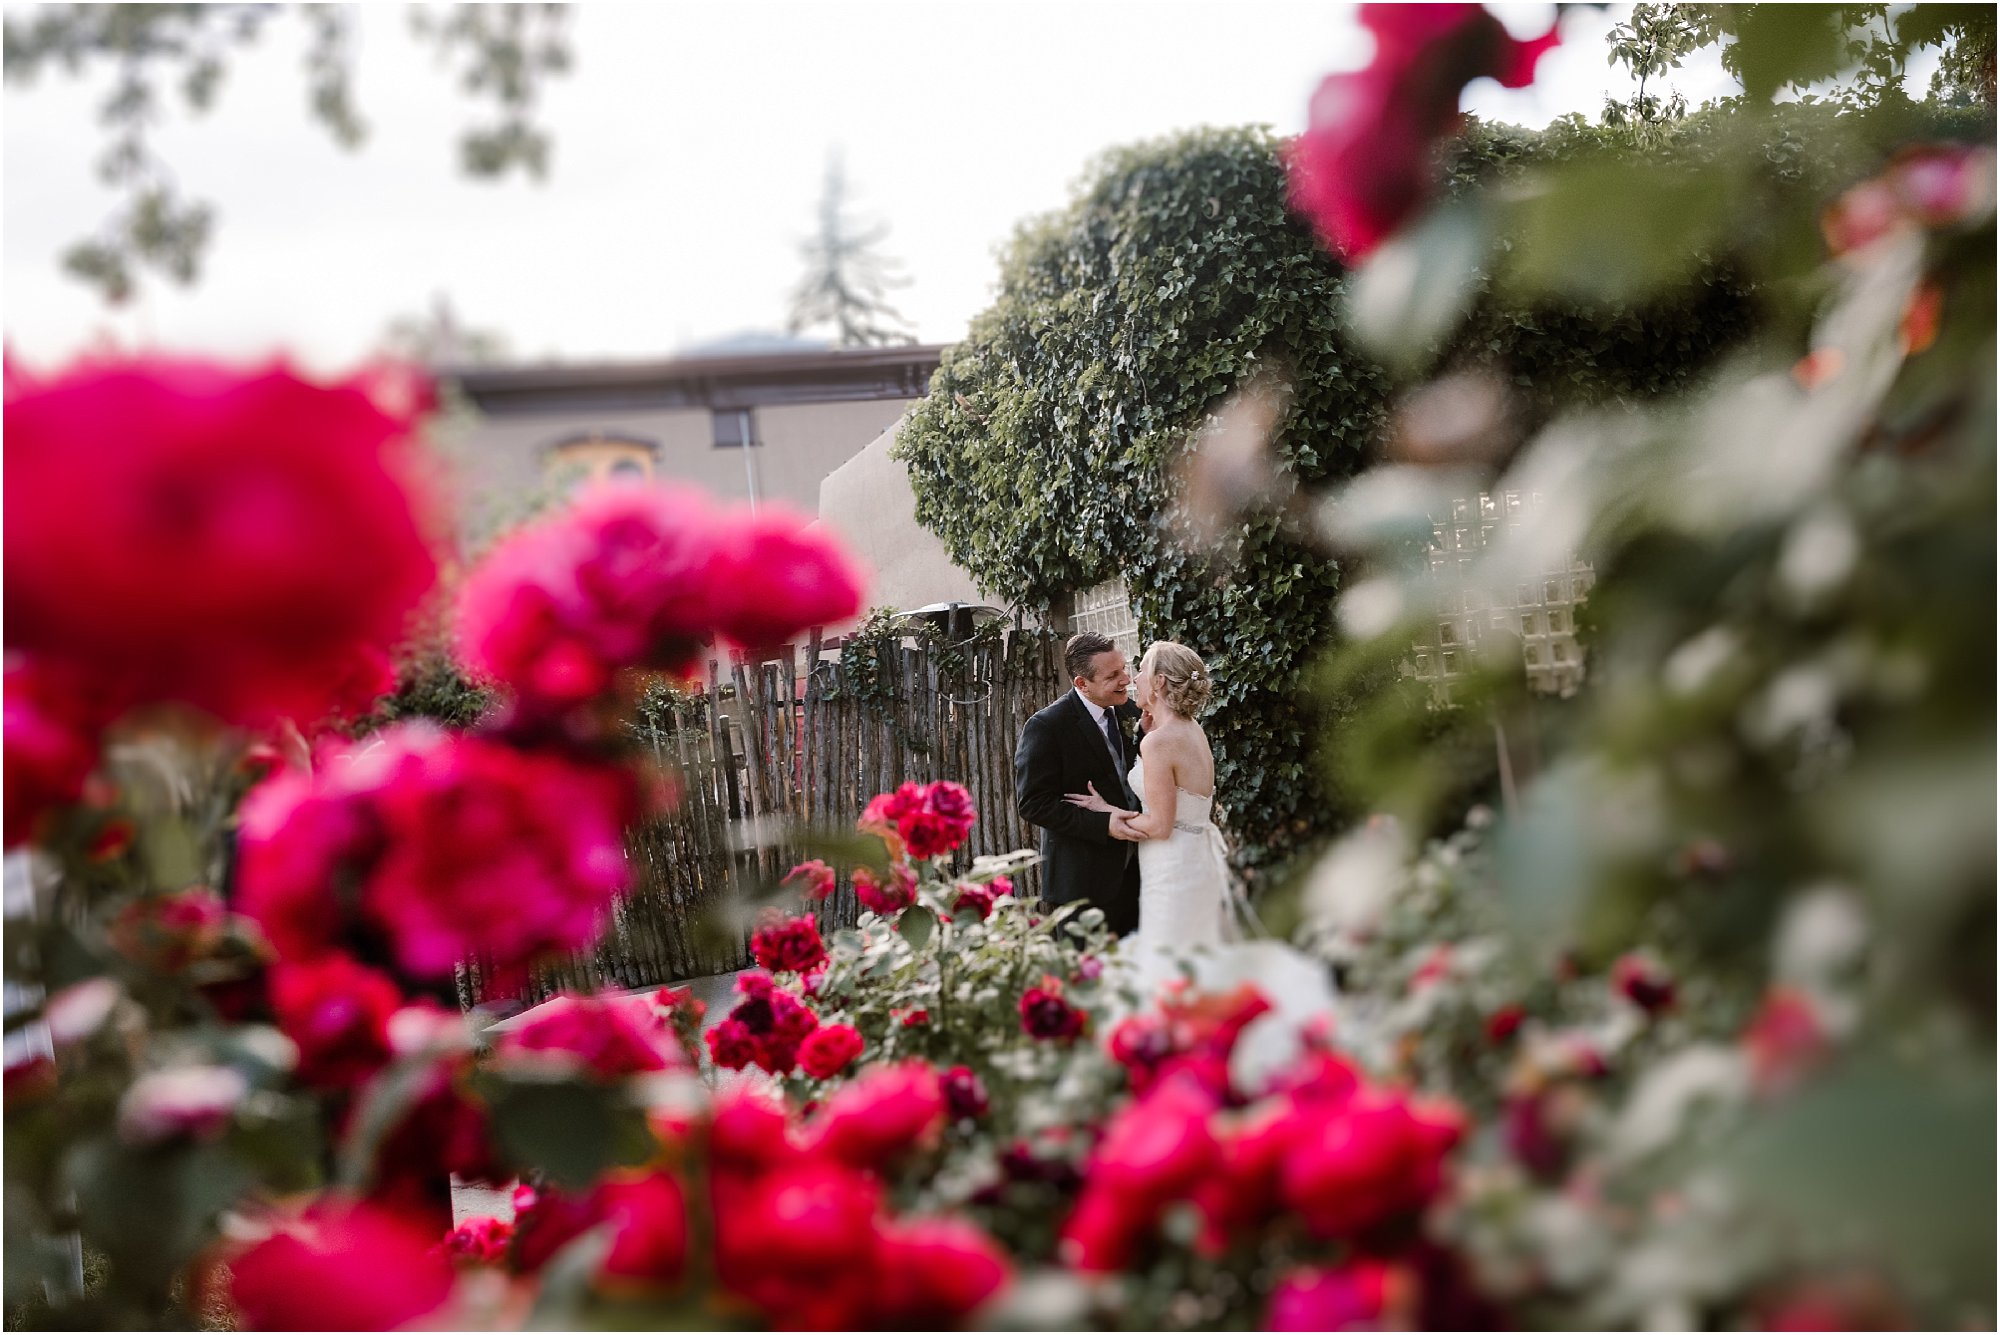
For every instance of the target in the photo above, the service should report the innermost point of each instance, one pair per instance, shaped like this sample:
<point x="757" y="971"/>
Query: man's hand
<point x="1121" y="828"/>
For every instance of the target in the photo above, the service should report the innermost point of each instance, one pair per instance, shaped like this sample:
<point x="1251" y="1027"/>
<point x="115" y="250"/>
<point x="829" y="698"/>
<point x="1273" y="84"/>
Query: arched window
<point x="597" y="456"/>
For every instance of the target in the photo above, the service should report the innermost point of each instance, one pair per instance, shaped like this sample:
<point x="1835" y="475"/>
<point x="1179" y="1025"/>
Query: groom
<point x="1079" y="740"/>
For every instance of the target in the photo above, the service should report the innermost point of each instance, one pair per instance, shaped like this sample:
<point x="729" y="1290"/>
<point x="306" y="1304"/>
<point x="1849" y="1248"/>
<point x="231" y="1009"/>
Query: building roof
<point x="701" y="379"/>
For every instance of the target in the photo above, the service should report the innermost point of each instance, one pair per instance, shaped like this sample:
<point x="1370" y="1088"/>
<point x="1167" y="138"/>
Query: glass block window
<point x="1107" y="609"/>
<point x="1544" y="611"/>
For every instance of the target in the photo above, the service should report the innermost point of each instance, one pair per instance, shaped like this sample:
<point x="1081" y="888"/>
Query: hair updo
<point x="1179" y="676"/>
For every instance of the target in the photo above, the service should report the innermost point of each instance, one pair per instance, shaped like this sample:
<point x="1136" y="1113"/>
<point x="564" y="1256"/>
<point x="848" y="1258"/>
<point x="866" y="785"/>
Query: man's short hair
<point x="1081" y="649"/>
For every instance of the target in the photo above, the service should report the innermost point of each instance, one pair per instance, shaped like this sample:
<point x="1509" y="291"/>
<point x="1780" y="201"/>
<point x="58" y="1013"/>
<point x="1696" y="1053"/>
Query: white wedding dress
<point x="1185" y="886"/>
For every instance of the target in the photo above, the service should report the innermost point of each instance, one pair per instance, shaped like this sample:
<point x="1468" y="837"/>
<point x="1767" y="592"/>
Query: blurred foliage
<point x="1720" y="974"/>
<point x="504" y="53"/>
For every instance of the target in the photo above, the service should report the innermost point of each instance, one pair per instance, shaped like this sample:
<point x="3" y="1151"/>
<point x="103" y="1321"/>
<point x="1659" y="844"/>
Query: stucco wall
<point x="868" y="502"/>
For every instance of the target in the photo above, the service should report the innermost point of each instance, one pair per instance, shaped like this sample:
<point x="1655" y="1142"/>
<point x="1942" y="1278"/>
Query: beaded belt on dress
<point x="1191" y="828"/>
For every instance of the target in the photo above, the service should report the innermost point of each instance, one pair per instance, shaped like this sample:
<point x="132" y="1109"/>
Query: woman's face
<point x="1142" y="685"/>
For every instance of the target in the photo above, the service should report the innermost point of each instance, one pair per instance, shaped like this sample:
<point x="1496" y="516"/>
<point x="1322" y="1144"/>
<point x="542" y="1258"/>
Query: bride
<point x="1184" y="882"/>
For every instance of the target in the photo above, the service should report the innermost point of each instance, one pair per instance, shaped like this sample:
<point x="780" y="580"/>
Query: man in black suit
<point x="1082" y="739"/>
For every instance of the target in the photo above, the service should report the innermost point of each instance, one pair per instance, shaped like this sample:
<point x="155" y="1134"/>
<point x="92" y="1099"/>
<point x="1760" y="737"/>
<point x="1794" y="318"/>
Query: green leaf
<point x="570" y="1128"/>
<point x="916" y="926"/>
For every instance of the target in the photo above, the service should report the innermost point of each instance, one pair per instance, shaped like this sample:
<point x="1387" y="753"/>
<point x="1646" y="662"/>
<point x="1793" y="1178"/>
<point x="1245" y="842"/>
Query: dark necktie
<point x="1111" y="736"/>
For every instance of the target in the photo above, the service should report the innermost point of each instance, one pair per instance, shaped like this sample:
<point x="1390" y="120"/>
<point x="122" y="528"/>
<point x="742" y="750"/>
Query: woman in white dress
<point x="1184" y="883"/>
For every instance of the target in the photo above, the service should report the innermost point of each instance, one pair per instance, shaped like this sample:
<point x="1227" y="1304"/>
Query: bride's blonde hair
<point x="1182" y="678"/>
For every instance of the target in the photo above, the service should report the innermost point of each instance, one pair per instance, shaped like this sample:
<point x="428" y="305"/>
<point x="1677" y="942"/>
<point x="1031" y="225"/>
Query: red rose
<point x="1045" y="1015"/>
<point x="1364" y="166"/>
<point x="239" y="533"/>
<point x="337" y="1011"/>
<point x="732" y="1045"/>
<point x="1644" y="983"/>
<point x="964" y="1093"/>
<point x="889" y="899"/>
<point x="829" y="1050"/>
<point x="457" y="847"/>
<point x="52" y="724"/>
<point x="788" y="945"/>
<point x="937" y="1273"/>
<point x="1504" y="1023"/>
<point x="609" y="1036"/>
<point x="815" y="879"/>
<point x="800" y="1245"/>
<point x="777" y="573"/>
<point x="340" y="1266"/>
<point x="981" y="898"/>
<point x="480" y="1241"/>
<point x="883" y="1112"/>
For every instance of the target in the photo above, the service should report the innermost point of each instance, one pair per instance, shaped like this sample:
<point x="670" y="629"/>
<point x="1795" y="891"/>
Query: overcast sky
<point x="690" y="142"/>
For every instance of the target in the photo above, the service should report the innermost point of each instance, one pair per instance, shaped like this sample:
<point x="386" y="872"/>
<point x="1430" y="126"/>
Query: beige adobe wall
<point x="805" y="442"/>
<point x="868" y="502"/>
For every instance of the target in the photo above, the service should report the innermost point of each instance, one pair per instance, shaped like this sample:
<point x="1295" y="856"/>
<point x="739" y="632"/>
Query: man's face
<point x="1108" y="682"/>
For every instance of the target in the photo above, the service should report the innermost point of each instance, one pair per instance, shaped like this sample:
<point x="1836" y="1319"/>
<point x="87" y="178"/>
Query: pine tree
<point x="845" y="277"/>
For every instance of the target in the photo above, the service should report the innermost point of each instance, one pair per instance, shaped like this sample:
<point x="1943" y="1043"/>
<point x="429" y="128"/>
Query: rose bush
<point x="1696" y="1030"/>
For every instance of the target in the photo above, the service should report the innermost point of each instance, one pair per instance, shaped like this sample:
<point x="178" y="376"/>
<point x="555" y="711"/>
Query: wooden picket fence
<point x="788" y="741"/>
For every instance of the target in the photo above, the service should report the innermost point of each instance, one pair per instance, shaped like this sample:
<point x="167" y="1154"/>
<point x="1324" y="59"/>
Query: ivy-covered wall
<point x="1042" y="455"/>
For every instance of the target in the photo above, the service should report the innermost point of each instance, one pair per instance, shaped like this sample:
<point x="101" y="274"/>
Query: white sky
<point x="690" y="142"/>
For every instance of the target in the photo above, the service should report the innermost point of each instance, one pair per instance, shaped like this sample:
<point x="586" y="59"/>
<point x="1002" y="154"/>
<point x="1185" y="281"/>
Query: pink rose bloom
<point x="777" y="573"/>
<point x="1157" y="1148"/>
<point x="609" y="1036"/>
<point x="1364" y="167"/>
<point x="52" y="724"/>
<point x="748" y="1132"/>
<point x="829" y="1050"/>
<point x="878" y="1115"/>
<point x="1364" y="1294"/>
<point x="815" y="879"/>
<point x="457" y="846"/>
<point x="239" y="532"/>
<point x="788" y="945"/>
<point x="800" y="1245"/>
<point x="624" y="577"/>
<point x="338" y="1013"/>
<point x="1380" y="1157"/>
<point x="340" y="1267"/>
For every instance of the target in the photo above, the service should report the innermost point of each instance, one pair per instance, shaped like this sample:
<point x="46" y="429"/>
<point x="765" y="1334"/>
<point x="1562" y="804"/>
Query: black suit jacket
<point x="1061" y="750"/>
